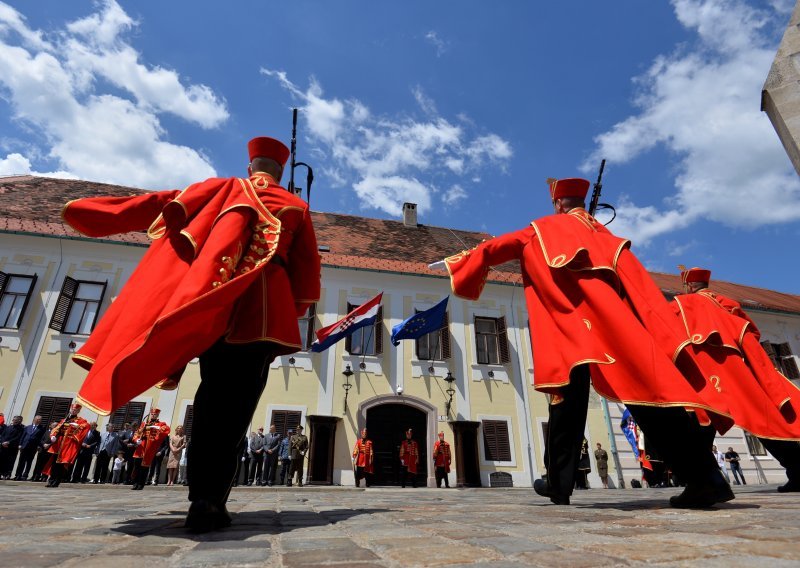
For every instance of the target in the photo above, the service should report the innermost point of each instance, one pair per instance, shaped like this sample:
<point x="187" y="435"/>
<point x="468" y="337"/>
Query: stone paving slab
<point x="83" y="526"/>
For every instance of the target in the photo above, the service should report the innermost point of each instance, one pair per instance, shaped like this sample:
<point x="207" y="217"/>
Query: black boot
<point x="542" y="488"/>
<point x="205" y="516"/>
<point x="701" y="495"/>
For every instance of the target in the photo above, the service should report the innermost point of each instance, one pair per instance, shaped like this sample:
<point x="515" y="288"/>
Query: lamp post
<point x="449" y="379"/>
<point x="348" y="372"/>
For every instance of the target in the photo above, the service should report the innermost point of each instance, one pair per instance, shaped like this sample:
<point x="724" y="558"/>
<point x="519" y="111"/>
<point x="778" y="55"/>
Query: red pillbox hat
<point x="569" y="187"/>
<point x="266" y="147"/>
<point x="696" y="275"/>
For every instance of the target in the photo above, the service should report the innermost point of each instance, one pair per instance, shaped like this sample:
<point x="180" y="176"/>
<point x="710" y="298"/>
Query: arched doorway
<point x="387" y="419"/>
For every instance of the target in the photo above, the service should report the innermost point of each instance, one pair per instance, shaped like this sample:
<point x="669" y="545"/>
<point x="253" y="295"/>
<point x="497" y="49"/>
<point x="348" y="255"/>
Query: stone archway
<point x="418" y="412"/>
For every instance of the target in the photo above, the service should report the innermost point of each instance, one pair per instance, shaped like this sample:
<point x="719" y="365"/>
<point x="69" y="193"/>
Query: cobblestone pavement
<point x="88" y="526"/>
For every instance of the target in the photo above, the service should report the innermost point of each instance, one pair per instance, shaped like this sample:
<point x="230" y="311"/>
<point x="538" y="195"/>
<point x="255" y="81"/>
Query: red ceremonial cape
<point x="151" y="439"/>
<point x="68" y="441"/>
<point x="212" y="246"/>
<point x="442" y="459"/>
<point x="723" y="349"/>
<point x="589" y="301"/>
<point x="409" y="455"/>
<point x="362" y="453"/>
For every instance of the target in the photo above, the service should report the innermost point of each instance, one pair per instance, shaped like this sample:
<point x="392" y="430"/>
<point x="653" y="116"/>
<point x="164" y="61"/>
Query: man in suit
<point x="271" y="446"/>
<point x="128" y="446"/>
<point x="42" y="454"/>
<point x="89" y="448"/>
<point x="257" y="442"/>
<point x="9" y="443"/>
<point x="31" y="438"/>
<point x="108" y="448"/>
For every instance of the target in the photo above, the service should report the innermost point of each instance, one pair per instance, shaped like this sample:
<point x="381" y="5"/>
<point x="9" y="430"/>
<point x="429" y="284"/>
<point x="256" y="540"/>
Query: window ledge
<point x="421" y="369"/>
<point x="481" y="372"/>
<point x="10" y="339"/>
<point x="60" y="342"/>
<point x="302" y="360"/>
<point x="372" y="363"/>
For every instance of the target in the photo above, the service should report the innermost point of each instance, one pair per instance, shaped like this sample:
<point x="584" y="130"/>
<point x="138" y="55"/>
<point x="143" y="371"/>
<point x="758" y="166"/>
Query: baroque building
<point x="471" y="379"/>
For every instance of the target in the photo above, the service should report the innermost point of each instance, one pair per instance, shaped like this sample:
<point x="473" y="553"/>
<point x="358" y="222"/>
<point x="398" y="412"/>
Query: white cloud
<point x="52" y="87"/>
<point x="17" y="164"/>
<point x="453" y="195"/>
<point x="440" y="44"/>
<point x="389" y="161"/>
<point x="703" y="106"/>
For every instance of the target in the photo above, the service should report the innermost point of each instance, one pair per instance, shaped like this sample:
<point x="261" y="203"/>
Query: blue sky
<point x="462" y="107"/>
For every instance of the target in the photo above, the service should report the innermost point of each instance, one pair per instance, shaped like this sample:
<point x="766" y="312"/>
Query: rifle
<point x="295" y="163"/>
<point x="595" y="204"/>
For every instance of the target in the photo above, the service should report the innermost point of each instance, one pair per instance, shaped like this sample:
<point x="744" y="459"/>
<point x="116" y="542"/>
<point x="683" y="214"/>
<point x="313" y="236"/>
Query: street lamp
<point x="449" y="379"/>
<point x="348" y="372"/>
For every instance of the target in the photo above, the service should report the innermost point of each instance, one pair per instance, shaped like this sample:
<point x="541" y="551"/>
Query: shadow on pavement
<point x="660" y="504"/>
<point x="245" y="524"/>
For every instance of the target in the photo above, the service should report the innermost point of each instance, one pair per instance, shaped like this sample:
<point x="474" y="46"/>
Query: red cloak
<point x="69" y="435"/>
<point x="722" y="348"/>
<point x="589" y="301"/>
<point x="409" y="455"/>
<point x="148" y="439"/>
<point x="209" y="272"/>
<point x="362" y="454"/>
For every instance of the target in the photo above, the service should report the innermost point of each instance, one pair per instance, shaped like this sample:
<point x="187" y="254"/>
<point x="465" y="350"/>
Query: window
<point x="53" y="408"/>
<point x="78" y="306"/>
<point x="496" y="443"/>
<point x="782" y="358"/>
<point x="435" y="346"/>
<point x="367" y="340"/>
<point x="15" y="293"/>
<point x="306" y="324"/>
<point x="754" y="445"/>
<point x="286" y="420"/>
<point x="187" y="421"/>
<point x="131" y="412"/>
<point x="491" y="340"/>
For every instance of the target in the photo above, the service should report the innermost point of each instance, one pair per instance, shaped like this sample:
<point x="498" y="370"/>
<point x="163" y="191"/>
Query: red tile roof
<point x="32" y="204"/>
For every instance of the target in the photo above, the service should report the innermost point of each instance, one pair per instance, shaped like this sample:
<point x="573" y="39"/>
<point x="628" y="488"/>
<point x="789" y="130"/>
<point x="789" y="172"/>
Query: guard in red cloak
<point x="232" y="265"/>
<point x="148" y="439"/>
<point x="66" y="439"/>
<point x="592" y="306"/>
<point x="722" y="346"/>
<point x="363" y="459"/>
<point x="409" y="459"/>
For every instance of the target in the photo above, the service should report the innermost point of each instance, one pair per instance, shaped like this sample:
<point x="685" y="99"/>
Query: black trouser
<point x="361" y="473"/>
<point x="788" y="455"/>
<point x="155" y="468"/>
<point x="138" y="472"/>
<point x="42" y="455"/>
<point x="441" y="475"/>
<point x="26" y="456"/>
<point x="7" y="458"/>
<point x="270" y="465"/>
<point x="405" y="474"/>
<point x="101" y="467"/>
<point x="257" y="468"/>
<point x="82" y="466"/>
<point x="286" y="472"/>
<point x="242" y="470"/>
<point x="297" y="467"/>
<point x="670" y="430"/>
<point x="233" y="376"/>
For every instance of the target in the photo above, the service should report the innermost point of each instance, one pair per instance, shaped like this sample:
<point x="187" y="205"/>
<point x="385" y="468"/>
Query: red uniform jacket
<point x="441" y="455"/>
<point x="230" y="257"/>
<point x="589" y="301"/>
<point x="69" y="436"/>
<point x="362" y="454"/>
<point x="148" y="439"/>
<point x="409" y="455"/>
<point x="722" y="348"/>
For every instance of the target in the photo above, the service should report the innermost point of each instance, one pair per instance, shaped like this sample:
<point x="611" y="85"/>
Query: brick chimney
<point x="410" y="215"/>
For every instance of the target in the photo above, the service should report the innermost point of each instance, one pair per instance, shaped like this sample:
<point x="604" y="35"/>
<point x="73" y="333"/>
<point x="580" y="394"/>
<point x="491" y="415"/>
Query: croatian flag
<point x="362" y="316"/>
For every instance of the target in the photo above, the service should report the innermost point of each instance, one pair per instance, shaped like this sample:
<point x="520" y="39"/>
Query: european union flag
<point x="420" y="324"/>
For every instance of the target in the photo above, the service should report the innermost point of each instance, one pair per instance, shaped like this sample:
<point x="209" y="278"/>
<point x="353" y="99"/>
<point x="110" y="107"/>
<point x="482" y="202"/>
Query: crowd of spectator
<point x="107" y="457"/>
